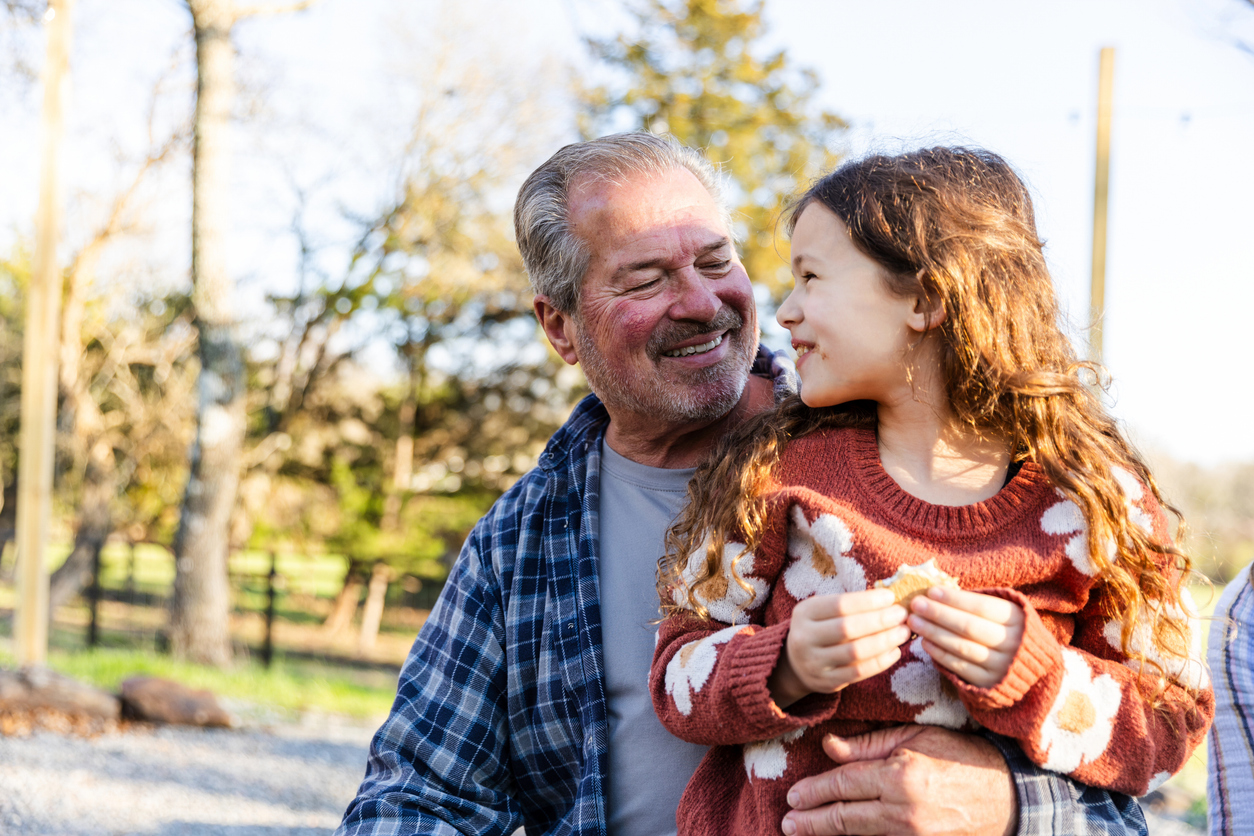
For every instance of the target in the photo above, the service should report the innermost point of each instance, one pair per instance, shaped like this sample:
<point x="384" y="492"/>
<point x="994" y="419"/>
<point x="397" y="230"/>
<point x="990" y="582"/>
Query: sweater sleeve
<point x="709" y="676"/>
<point x="1085" y="710"/>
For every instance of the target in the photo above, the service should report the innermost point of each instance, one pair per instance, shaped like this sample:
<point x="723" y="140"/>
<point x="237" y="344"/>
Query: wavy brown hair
<point x="956" y="226"/>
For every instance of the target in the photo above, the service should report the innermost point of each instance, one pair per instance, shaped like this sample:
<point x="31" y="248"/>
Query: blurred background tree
<point x="394" y="384"/>
<point x="698" y="69"/>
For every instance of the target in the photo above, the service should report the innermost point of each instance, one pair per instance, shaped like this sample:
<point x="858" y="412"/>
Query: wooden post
<point x="267" y="650"/>
<point x="130" y="576"/>
<point x="39" y="358"/>
<point x="1101" y="191"/>
<point x="93" y="597"/>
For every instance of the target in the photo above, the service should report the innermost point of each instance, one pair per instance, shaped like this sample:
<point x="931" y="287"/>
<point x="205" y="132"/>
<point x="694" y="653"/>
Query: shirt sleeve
<point x="438" y="764"/>
<point x="1050" y="803"/>
<point x="1230" y="778"/>
<point x="1080" y="709"/>
<point x="709" y="677"/>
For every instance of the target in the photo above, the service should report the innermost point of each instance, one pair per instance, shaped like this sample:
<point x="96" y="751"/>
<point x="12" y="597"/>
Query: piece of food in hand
<point x="909" y="581"/>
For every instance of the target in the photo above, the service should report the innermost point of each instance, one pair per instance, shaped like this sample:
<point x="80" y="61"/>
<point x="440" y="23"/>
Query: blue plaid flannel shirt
<point x="500" y="713"/>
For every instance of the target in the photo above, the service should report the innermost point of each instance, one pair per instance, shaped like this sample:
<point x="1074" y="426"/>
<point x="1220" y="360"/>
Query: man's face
<point x="666" y="327"/>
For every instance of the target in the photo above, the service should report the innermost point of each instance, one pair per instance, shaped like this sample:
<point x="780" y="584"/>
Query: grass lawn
<point x="290" y="685"/>
<point x="311" y="670"/>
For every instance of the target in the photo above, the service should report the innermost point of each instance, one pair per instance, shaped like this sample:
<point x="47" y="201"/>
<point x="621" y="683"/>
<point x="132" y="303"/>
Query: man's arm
<point x="437" y="764"/>
<point x="929" y="780"/>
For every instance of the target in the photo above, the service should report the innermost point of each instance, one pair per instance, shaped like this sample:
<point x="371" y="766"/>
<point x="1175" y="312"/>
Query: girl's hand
<point x="838" y="639"/>
<point x="971" y="634"/>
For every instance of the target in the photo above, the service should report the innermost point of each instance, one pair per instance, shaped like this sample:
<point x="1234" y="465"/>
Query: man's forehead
<point x="661" y="210"/>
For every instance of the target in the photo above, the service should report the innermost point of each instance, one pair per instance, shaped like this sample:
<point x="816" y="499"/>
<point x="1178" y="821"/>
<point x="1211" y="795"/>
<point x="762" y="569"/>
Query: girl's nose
<point x="789" y="313"/>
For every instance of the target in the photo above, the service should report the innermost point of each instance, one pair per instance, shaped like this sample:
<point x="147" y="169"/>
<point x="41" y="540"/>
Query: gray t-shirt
<point x="649" y="768"/>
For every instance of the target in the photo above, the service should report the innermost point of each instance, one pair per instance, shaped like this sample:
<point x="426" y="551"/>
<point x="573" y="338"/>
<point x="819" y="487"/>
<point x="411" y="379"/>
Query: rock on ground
<point x="282" y="779"/>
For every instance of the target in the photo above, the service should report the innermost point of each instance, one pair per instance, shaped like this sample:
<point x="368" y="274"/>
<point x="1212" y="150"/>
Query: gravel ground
<point x="289" y="778"/>
<point x="275" y="776"/>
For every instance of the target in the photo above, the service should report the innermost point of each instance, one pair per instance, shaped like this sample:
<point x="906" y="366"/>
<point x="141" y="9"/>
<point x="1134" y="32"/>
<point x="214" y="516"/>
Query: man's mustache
<point x="727" y="319"/>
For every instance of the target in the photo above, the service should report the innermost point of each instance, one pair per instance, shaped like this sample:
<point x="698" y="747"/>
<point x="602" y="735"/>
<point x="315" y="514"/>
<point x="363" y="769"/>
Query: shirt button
<point x="570" y="627"/>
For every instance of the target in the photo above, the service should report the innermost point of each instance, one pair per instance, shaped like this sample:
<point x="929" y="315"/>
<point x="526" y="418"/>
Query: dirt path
<point x="284" y="779"/>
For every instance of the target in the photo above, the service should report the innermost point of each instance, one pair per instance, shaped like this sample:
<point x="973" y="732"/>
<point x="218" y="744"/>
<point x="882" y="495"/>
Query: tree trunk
<point x="345" y="603"/>
<point x="200" y="608"/>
<point x="95" y="524"/>
<point x="372" y="614"/>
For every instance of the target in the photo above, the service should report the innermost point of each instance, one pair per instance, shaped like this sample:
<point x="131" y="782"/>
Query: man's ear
<point x="928" y="313"/>
<point x="558" y="327"/>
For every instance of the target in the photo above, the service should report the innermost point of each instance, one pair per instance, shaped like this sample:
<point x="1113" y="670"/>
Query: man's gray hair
<point x="555" y="258"/>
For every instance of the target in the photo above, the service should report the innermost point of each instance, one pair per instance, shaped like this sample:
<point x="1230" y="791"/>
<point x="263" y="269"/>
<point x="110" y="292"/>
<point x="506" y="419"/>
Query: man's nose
<point x="696" y="297"/>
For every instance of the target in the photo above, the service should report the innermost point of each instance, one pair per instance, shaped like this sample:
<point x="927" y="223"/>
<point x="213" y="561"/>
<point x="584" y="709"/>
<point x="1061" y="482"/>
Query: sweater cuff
<point x="1038" y="653"/>
<point x="755" y="661"/>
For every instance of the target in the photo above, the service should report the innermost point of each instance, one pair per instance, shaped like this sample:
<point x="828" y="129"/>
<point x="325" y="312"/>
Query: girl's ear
<point x="928" y="313"/>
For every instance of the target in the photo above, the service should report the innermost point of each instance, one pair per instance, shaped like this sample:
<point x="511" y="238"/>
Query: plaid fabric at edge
<point x="1230" y="652"/>
<point x="500" y="712"/>
<point x="1050" y="803"/>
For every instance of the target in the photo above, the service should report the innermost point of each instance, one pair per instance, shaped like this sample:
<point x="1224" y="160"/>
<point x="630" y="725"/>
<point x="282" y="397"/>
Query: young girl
<point x="943" y="421"/>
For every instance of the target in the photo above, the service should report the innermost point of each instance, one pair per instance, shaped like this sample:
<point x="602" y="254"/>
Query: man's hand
<point x="974" y="635"/>
<point x="906" y="780"/>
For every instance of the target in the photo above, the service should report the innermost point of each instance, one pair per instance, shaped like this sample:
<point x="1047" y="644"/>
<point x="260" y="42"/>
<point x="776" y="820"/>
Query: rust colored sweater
<point x="837" y="522"/>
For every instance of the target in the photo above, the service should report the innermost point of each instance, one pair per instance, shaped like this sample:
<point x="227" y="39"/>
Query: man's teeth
<point x="695" y="349"/>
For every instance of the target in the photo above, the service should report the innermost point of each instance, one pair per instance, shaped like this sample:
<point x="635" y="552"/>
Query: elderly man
<point x="524" y="701"/>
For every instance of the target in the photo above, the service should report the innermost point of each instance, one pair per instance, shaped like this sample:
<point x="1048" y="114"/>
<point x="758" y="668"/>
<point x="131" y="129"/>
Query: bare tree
<point x="200" y="607"/>
<point x="84" y="428"/>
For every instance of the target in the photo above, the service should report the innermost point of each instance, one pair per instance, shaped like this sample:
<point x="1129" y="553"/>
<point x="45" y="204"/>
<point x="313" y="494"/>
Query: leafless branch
<point x="242" y="12"/>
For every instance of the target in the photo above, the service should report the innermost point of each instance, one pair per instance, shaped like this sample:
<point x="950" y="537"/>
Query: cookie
<point x="909" y="581"/>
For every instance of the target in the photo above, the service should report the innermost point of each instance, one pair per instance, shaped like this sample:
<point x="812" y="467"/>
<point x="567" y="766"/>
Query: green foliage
<point x="696" y="69"/>
<point x="14" y="278"/>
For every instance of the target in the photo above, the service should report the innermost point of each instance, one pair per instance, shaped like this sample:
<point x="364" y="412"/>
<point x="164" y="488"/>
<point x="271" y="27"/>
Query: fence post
<point x="93" y="597"/>
<point x="130" y="576"/>
<point x="267" y="650"/>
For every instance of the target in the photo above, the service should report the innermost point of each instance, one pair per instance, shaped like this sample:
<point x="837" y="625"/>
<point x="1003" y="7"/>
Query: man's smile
<point x="696" y="349"/>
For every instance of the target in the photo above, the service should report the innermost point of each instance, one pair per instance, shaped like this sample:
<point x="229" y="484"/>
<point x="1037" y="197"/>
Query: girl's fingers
<point x="960" y="646"/>
<point x="835" y="631"/>
<point x="968" y="671"/>
<point x="995" y="634"/>
<point x="839" y="605"/>
<point x="867" y="647"/>
<point x="988" y="607"/>
<point x="864" y="668"/>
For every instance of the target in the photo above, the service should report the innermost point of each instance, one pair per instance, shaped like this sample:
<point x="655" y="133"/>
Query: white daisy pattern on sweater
<point x="723" y="596"/>
<point x="1080" y="723"/>
<point x="1182" y="658"/>
<point x="688" y="670"/>
<point x="769" y="758"/>
<point x="919" y="683"/>
<point x="1066" y="518"/>
<point x="820" y="564"/>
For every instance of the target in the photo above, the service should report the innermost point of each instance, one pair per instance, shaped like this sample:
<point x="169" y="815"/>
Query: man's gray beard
<point x="674" y="403"/>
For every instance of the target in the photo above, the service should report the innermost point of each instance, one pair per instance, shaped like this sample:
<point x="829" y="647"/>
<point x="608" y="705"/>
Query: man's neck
<point x="642" y="439"/>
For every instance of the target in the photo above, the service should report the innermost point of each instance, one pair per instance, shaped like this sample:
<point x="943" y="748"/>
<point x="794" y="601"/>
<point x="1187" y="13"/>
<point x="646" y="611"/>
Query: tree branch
<point x="242" y="12"/>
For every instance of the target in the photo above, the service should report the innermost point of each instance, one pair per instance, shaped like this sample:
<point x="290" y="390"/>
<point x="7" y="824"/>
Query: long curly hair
<point x="956" y="226"/>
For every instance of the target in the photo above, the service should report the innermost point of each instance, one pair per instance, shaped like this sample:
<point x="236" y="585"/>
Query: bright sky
<point x="1018" y="78"/>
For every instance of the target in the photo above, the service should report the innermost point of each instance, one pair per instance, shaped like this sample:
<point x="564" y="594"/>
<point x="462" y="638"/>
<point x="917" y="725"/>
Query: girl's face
<point x="850" y="333"/>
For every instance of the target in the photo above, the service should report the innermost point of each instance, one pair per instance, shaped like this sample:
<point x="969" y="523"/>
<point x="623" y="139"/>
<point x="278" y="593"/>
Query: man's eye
<point x="716" y="266"/>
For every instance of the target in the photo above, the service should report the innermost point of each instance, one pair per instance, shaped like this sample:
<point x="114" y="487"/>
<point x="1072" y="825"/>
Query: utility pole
<point x="1101" y="192"/>
<point x="39" y="357"/>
